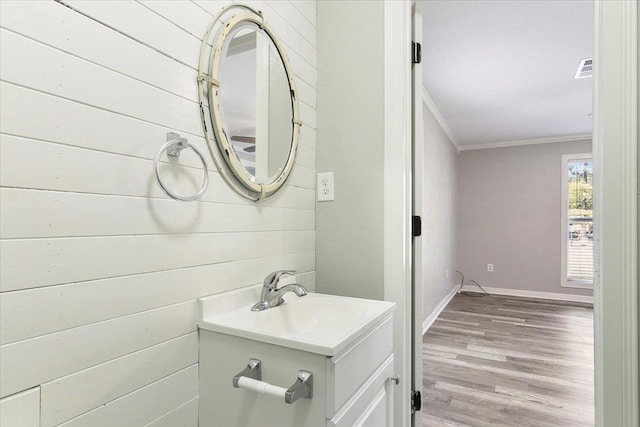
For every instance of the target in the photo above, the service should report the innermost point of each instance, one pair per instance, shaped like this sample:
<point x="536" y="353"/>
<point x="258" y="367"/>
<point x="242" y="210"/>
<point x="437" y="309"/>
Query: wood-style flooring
<point x="507" y="361"/>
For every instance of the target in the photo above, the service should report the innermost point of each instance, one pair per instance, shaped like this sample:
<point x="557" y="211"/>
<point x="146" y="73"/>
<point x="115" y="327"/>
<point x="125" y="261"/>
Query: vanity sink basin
<point x="319" y="314"/>
<point x="317" y="323"/>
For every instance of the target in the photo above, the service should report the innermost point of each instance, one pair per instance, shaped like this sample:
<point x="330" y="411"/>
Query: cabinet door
<point x="221" y="405"/>
<point x="378" y="413"/>
<point x="372" y="405"/>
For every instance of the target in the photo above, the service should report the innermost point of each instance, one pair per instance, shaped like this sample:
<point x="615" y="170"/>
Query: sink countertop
<point x="316" y="323"/>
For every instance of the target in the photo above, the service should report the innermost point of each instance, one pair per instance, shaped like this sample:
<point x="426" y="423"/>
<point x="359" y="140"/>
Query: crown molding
<point x="428" y="101"/>
<point x="431" y="105"/>
<point x="518" y="142"/>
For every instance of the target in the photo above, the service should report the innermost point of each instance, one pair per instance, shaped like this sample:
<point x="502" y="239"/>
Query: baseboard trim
<point x="436" y="312"/>
<point x="532" y="294"/>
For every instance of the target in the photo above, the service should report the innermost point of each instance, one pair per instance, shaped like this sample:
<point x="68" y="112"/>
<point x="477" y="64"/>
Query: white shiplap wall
<point x="100" y="270"/>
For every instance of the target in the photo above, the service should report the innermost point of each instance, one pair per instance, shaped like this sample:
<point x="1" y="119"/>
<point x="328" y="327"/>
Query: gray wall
<point x="509" y="213"/>
<point x="349" y="230"/>
<point x="438" y="215"/>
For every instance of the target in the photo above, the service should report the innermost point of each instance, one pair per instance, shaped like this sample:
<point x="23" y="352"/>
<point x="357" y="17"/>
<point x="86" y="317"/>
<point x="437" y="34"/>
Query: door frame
<point x="417" y="206"/>
<point x="615" y="150"/>
<point x="397" y="193"/>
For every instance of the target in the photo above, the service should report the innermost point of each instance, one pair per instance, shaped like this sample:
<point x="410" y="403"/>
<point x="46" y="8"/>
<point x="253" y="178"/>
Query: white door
<point x="417" y="208"/>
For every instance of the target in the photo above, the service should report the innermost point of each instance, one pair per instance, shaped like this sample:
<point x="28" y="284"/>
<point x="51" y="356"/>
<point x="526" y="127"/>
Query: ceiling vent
<point x="585" y="69"/>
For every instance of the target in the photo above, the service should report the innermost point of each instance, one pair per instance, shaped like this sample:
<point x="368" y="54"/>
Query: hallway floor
<point x="508" y="361"/>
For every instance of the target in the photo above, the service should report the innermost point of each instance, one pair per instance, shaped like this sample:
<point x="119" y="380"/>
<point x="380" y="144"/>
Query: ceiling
<point x="502" y="72"/>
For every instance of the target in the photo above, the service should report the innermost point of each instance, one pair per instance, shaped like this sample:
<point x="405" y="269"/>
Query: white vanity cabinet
<point x="350" y="388"/>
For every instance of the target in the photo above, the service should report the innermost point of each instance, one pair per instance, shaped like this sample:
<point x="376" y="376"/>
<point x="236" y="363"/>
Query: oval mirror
<point x="246" y="87"/>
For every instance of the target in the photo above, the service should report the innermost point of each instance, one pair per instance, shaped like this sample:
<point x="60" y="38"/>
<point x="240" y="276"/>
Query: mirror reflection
<point x="255" y="103"/>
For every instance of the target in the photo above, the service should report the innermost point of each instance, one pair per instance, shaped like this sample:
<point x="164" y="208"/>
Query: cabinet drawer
<point x="371" y="405"/>
<point x="347" y="372"/>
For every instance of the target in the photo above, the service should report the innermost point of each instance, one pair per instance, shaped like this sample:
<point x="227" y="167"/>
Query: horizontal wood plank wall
<point x="99" y="269"/>
<point x="21" y="409"/>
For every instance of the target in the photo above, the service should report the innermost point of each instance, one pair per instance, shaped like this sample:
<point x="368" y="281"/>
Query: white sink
<point x="317" y="323"/>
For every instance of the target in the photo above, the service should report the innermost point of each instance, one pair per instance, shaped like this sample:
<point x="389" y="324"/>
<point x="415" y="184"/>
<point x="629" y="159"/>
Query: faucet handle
<point x="272" y="278"/>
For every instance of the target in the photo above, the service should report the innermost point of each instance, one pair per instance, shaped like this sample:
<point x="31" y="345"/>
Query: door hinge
<point x="416" y="226"/>
<point x="416" y="401"/>
<point x="416" y="53"/>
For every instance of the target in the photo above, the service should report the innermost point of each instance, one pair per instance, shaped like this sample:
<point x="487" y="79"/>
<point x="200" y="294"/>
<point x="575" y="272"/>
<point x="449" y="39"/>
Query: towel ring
<point x="175" y="144"/>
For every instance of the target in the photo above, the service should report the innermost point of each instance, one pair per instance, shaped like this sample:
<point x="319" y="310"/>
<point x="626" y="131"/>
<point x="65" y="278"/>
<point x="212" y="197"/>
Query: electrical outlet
<point x="325" y="187"/>
<point x="490" y="268"/>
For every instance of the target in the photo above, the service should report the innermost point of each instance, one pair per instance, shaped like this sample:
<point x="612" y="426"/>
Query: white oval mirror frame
<point x="222" y="151"/>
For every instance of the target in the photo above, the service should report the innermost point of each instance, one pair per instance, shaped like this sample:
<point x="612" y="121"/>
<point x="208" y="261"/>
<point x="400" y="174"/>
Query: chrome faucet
<point x="272" y="295"/>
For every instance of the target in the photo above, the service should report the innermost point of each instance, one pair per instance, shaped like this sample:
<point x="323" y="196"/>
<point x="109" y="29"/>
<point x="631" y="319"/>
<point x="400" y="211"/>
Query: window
<point x="577" y="221"/>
